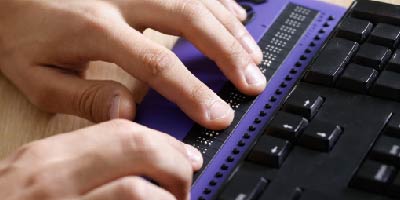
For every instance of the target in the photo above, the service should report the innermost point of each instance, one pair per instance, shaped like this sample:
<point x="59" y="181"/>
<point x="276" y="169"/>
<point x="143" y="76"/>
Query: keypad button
<point x="372" y="55"/>
<point x="387" y="86"/>
<point x="387" y="150"/>
<point x="377" y="12"/>
<point x="354" y="29"/>
<point x="357" y="78"/>
<point x="244" y="185"/>
<point x="303" y="103"/>
<point x="270" y="151"/>
<point x="286" y="126"/>
<point x="385" y="35"/>
<point x="373" y="176"/>
<point x="331" y="61"/>
<point x="394" y="63"/>
<point x="393" y="127"/>
<point x="320" y="135"/>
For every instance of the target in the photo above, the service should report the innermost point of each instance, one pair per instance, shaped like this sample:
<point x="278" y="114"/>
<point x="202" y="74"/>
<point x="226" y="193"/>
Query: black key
<point x="394" y="63"/>
<point x="385" y="35"/>
<point x="393" y="127"/>
<point x="312" y="195"/>
<point x="377" y="12"/>
<point x="331" y="61"/>
<point x="354" y="29"/>
<point x="387" y="85"/>
<point x="357" y="78"/>
<point x="320" y="135"/>
<point x="372" y="55"/>
<point x="387" y="150"/>
<point x="394" y="187"/>
<point x="244" y="185"/>
<point x="373" y="176"/>
<point x="303" y="103"/>
<point x="286" y="126"/>
<point x="270" y="151"/>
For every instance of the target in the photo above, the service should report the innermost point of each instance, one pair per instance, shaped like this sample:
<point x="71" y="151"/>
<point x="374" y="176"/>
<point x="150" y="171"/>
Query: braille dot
<point x="312" y="44"/>
<point x="262" y="113"/>
<point x="201" y="198"/>
<point x="325" y="24"/>
<point x="246" y="136"/>
<point x="235" y="151"/>
<point x="298" y="64"/>
<point x="257" y="120"/>
<point x="322" y="31"/>
<point x="267" y="106"/>
<point x="218" y="174"/>
<point x="241" y="143"/>
<point x="317" y="37"/>
<point x="303" y="57"/>
<point x="283" y="85"/>
<point x="288" y="78"/>
<point x="331" y="18"/>
<point x="272" y="99"/>
<point x="278" y="92"/>
<point x="307" y="51"/>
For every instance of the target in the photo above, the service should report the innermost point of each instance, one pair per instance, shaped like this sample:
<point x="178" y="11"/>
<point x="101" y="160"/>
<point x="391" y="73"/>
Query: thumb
<point x="97" y="101"/>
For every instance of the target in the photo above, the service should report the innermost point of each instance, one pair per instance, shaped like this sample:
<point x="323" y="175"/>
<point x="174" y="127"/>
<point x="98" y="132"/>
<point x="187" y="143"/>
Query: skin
<point x="45" y="48"/>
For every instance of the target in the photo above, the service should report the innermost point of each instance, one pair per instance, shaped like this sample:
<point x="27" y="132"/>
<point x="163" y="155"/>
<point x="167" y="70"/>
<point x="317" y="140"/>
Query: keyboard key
<point x="387" y="150"/>
<point x="387" y="85"/>
<point x="270" y="151"/>
<point x="320" y="135"/>
<point x="372" y="55"/>
<point x="357" y="78"/>
<point x="394" y="63"/>
<point x="303" y="103"/>
<point x="394" y="187"/>
<point x="286" y="126"/>
<point x="377" y="12"/>
<point x="393" y="127"/>
<point x="385" y="35"/>
<point x="244" y="185"/>
<point x="354" y="29"/>
<point x="331" y="61"/>
<point x="373" y="176"/>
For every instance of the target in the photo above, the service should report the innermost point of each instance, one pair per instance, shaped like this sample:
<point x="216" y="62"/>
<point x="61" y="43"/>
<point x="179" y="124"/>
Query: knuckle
<point x="42" y="184"/>
<point x="158" y="62"/>
<point x="192" y="10"/>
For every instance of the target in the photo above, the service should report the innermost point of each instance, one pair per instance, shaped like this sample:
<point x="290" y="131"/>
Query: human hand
<point x="103" y="162"/>
<point x="45" y="47"/>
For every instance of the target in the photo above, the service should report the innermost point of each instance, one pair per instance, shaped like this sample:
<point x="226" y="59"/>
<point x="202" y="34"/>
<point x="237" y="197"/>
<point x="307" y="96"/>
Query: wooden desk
<point x="20" y="122"/>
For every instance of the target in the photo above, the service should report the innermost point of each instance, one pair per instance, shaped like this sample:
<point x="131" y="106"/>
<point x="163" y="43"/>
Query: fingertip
<point x="254" y="80"/>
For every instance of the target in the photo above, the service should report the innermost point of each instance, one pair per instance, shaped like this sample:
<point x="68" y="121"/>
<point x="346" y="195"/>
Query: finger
<point x="235" y="8"/>
<point x="120" y="148"/>
<point x="129" y="188"/>
<point x="163" y="71"/>
<point x="55" y="91"/>
<point x="236" y="28"/>
<point x="207" y="34"/>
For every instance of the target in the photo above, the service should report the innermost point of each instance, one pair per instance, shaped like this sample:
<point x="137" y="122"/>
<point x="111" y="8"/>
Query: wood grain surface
<point x="21" y="122"/>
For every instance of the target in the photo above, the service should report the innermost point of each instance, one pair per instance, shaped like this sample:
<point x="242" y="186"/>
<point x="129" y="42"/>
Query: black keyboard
<point x="337" y="135"/>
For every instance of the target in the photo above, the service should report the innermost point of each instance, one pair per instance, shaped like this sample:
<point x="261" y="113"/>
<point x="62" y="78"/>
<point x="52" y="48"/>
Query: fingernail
<point x="114" y="109"/>
<point x="194" y="155"/>
<point x="251" y="46"/>
<point x="219" y="110"/>
<point x="253" y="76"/>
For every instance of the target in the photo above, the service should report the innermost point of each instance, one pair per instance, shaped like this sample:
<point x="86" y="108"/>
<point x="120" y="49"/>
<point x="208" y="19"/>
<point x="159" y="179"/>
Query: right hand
<point x="103" y="162"/>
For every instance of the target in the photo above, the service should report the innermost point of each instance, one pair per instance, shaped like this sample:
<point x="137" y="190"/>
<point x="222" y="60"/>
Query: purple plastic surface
<point x="158" y="113"/>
